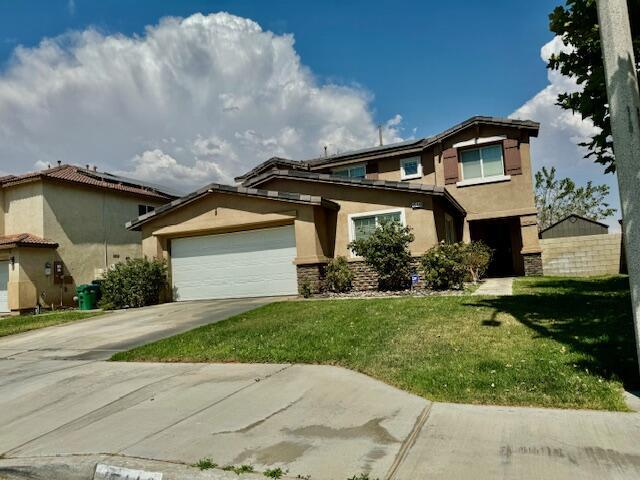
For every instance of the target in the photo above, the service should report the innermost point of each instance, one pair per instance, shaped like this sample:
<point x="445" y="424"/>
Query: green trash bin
<point x="87" y="297"/>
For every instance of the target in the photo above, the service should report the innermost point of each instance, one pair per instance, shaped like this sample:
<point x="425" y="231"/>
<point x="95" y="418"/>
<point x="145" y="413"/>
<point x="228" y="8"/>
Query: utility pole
<point x="624" y="109"/>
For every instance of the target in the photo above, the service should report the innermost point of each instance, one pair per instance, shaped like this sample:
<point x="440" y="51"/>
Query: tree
<point x="557" y="198"/>
<point x="386" y="250"/>
<point x="577" y="24"/>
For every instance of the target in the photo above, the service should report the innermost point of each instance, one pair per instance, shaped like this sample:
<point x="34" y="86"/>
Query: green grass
<point x="24" y="323"/>
<point x="558" y="342"/>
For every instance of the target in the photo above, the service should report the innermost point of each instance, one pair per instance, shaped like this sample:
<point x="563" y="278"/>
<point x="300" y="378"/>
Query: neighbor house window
<point x="482" y="162"/>
<point x="450" y="235"/>
<point x="144" y="209"/>
<point x="352" y="171"/>
<point x="410" y="168"/>
<point x="363" y="225"/>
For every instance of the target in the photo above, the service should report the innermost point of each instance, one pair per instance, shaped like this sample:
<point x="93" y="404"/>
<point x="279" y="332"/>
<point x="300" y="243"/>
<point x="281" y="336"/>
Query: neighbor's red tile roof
<point x="74" y="174"/>
<point x="25" y="240"/>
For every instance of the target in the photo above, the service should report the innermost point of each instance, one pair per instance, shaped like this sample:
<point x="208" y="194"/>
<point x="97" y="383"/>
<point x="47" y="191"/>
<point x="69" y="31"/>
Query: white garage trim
<point x="254" y="263"/>
<point x="4" y="284"/>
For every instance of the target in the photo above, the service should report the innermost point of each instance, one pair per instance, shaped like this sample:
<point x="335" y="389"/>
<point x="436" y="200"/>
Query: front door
<point x="4" y="283"/>
<point x="497" y="234"/>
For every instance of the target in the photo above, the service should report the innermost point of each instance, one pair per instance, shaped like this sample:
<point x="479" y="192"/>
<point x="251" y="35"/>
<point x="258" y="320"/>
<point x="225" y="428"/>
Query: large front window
<point x="364" y="225"/>
<point x="482" y="162"/>
<point x="352" y="171"/>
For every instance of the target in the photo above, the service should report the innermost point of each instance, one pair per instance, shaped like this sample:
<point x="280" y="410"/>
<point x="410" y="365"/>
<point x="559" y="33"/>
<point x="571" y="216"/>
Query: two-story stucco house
<point x="287" y="218"/>
<point x="61" y="227"/>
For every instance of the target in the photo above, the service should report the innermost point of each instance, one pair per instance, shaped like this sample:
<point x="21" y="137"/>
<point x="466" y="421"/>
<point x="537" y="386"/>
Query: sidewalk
<point x="326" y="422"/>
<point x="496" y="287"/>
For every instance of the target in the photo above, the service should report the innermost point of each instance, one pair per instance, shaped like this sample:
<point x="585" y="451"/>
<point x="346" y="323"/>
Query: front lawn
<point x="24" y="323"/>
<point x="558" y="342"/>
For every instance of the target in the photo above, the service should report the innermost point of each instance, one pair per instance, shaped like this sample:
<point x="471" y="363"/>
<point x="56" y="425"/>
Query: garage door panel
<point x="243" y="264"/>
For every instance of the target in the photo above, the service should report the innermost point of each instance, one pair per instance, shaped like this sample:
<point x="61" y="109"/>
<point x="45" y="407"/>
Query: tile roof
<point x="424" y="188"/>
<point x="74" y="174"/>
<point x="399" y="147"/>
<point x="25" y="240"/>
<point x="238" y="190"/>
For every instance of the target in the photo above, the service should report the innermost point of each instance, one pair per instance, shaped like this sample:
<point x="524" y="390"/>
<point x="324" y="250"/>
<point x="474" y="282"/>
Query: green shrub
<point x="134" y="283"/>
<point x="444" y="266"/>
<point x="305" y="289"/>
<point x="477" y="258"/>
<point x="386" y="250"/>
<point x="448" y="265"/>
<point x="338" y="276"/>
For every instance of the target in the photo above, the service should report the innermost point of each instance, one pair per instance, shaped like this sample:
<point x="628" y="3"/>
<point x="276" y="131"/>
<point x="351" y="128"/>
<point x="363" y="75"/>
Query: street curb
<point x="83" y="467"/>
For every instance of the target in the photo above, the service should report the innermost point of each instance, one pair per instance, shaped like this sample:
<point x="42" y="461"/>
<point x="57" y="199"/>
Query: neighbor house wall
<point x="2" y="211"/>
<point x="89" y="227"/>
<point x="24" y="209"/>
<point x="582" y="255"/>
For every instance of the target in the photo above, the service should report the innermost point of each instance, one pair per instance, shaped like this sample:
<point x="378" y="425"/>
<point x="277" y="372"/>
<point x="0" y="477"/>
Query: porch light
<point x="47" y="269"/>
<point x="13" y="261"/>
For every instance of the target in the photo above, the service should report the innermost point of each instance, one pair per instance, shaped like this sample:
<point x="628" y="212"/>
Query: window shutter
<point x="450" y="161"/>
<point x="512" y="161"/>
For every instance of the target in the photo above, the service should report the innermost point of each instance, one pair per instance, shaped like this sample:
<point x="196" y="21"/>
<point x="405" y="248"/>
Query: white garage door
<point x="254" y="263"/>
<point x="4" y="281"/>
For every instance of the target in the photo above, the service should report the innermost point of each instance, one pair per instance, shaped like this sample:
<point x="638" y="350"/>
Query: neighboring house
<point x="288" y="218"/>
<point x="574" y="226"/>
<point x="62" y="227"/>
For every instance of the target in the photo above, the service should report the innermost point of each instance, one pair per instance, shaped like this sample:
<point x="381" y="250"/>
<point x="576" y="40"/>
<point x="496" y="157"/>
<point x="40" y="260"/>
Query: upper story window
<point x="410" y="168"/>
<point x="364" y="224"/>
<point x="351" y="171"/>
<point x="144" y="209"/>
<point x="482" y="162"/>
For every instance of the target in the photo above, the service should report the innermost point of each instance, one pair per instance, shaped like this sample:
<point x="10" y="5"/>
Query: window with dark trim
<point x="483" y="162"/>
<point x="144" y="209"/>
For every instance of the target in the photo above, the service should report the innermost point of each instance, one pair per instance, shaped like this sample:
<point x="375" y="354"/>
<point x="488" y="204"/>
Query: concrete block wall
<point x="582" y="256"/>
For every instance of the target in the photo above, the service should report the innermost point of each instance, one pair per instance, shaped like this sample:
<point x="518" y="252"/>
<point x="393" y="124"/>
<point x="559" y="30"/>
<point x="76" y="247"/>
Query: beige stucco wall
<point x="512" y="198"/>
<point x="355" y="200"/>
<point x="23" y="209"/>
<point x="2" y="211"/>
<point x="87" y="223"/>
<point x="28" y="284"/>
<point x="583" y="255"/>
<point x="222" y="213"/>
<point x="89" y="226"/>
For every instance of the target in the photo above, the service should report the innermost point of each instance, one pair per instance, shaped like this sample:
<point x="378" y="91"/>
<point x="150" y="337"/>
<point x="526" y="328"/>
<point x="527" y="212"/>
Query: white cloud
<point x="71" y="6"/>
<point x="191" y="101"/>
<point x="561" y="131"/>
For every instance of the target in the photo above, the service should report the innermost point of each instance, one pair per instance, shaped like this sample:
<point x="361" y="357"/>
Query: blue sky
<point x="118" y="86"/>
<point x="436" y="62"/>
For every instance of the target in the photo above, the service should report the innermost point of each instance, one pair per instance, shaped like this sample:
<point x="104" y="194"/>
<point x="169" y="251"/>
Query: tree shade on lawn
<point x="557" y="342"/>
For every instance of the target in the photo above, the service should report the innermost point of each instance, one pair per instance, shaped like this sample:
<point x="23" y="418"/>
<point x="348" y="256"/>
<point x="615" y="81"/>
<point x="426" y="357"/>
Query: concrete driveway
<point x="99" y="338"/>
<point x="58" y="400"/>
